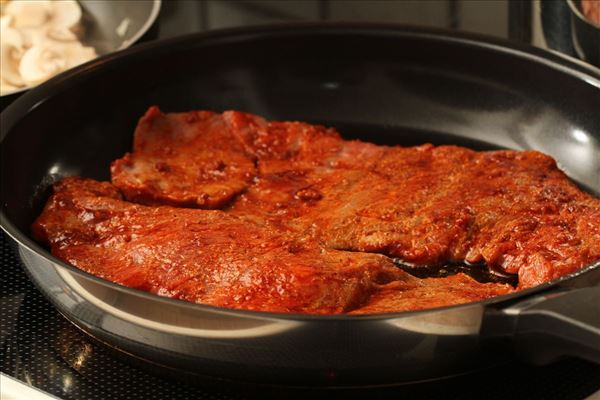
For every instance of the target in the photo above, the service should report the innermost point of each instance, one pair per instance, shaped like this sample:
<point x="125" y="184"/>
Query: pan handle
<point x="551" y="325"/>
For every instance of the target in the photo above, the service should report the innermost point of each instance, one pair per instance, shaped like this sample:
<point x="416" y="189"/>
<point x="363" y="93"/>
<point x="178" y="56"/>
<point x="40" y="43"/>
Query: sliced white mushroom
<point x="39" y="40"/>
<point x="40" y="63"/>
<point x="29" y="13"/>
<point x="9" y="64"/>
<point x="11" y="36"/>
<point x="61" y="34"/>
<point x="65" y="14"/>
<point x="11" y="50"/>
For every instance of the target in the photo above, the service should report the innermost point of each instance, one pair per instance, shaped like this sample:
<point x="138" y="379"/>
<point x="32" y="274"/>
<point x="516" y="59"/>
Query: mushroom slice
<point x="66" y="14"/>
<point x="9" y="65"/>
<point x="11" y="50"/>
<point x="10" y="35"/>
<point x="40" y="63"/>
<point x="30" y="13"/>
<point x="61" y="34"/>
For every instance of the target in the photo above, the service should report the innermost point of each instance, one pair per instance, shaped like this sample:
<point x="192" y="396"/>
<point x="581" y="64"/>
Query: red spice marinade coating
<point x="300" y="203"/>
<point x="214" y="258"/>
<point x="514" y="210"/>
<point x="204" y="256"/>
<point x="186" y="160"/>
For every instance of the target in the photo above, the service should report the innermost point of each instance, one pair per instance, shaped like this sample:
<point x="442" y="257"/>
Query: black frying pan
<point x="380" y="83"/>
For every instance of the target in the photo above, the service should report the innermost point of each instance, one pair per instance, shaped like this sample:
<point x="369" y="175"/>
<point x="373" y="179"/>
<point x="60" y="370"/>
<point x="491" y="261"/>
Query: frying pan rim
<point x="42" y="93"/>
<point x="549" y="58"/>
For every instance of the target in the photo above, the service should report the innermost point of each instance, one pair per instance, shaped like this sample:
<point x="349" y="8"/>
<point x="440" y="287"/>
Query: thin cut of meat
<point x="203" y="159"/>
<point x="283" y="145"/>
<point x="214" y="258"/>
<point x="185" y="159"/>
<point x="514" y="211"/>
<point x="308" y="222"/>
<point x="429" y="293"/>
<point x="204" y="256"/>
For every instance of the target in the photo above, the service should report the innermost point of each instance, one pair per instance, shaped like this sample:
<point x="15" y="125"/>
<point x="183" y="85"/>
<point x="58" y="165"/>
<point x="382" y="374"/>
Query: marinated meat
<point x="308" y="220"/>
<point x="183" y="159"/>
<point x="281" y="146"/>
<point x="429" y="293"/>
<point x="211" y="257"/>
<point x="514" y="211"/>
<point x="204" y="256"/>
<point x="203" y="159"/>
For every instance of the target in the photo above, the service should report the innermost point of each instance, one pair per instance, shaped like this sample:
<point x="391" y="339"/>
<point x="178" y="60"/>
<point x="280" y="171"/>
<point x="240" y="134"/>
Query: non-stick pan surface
<point x="382" y="84"/>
